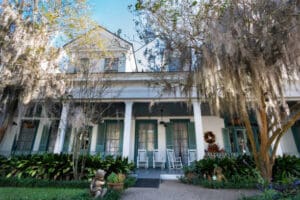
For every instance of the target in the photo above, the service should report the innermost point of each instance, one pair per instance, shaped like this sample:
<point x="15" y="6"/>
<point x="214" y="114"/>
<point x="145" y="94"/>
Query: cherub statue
<point x="97" y="183"/>
<point x="219" y="175"/>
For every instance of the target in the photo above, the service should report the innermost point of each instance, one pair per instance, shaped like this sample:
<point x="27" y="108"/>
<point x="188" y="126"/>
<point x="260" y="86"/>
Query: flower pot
<point x="116" y="186"/>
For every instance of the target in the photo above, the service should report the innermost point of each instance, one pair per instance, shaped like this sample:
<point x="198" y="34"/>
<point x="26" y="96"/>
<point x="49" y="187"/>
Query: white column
<point x="94" y="139"/>
<point x="39" y="135"/>
<point x="198" y="129"/>
<point x="279" y="151"/>
<point x="127" y="128"/>
<point x="62" y="128"/>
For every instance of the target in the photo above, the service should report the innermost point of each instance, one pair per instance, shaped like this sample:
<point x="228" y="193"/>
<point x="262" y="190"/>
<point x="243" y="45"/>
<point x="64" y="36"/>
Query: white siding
<point x="288" y="145"/>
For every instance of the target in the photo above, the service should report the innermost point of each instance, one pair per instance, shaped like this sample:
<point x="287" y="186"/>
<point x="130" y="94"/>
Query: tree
<point x="245" y="54"/>
<point x="30" y="59"/>
<point x="86" y="87"/>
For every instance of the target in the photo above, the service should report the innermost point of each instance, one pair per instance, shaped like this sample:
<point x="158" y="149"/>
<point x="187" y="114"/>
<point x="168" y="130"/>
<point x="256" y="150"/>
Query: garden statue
<point x="97" y="183"/>
<point x="218" y="174"/>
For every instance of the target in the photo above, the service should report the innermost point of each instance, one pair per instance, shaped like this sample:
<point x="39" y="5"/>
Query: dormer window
<point x="84" y="62"/>
<point x="83" y="65"/>
<point x="111" y="64"/>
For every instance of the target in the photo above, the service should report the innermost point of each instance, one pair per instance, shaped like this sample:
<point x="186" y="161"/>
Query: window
<point x="84" y="62"/>
<point x="27" y="136"/>
<point x="235" y="140"/>
<point x="34" y="110"/>
<point x="86" y="138"/>
<point x="110" y="138"/>
<point x="113" y="133"/>
<point x="48" y="137"/>
<point x="111" y="64"/>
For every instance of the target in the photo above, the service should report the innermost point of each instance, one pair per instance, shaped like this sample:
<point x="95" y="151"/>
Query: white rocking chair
<point x="158" y="159"/>
<point x="192" y="156"/>
<point x="142" y="158"/>
<point x="174" y="163"/>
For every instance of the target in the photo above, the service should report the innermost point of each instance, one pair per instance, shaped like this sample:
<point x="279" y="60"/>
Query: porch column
<point x="61" y="129"/>
<point x="198" y="129"/>
<point x="127" y="128"/>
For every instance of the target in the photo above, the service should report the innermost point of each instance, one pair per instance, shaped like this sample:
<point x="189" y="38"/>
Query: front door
<point x="146" y="137"/>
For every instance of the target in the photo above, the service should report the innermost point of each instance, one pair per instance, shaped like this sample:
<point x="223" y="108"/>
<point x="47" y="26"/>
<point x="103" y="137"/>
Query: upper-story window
<point x="111" y="64"/>
<point x="84" y="62"/>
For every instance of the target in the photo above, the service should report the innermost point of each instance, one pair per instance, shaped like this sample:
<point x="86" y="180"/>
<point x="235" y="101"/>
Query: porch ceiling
<point x="166" y="109"/>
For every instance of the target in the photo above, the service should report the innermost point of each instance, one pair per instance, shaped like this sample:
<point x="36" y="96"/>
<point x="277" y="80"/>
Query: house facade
<point x="131" y="110"/>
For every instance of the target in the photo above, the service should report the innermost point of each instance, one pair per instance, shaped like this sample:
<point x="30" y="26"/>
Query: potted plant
<point x="116" y="181"/>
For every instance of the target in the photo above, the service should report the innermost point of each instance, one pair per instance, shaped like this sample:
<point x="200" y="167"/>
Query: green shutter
<point x="191" y="135"/>
<point x="169" y="136"/>
<point x="296" y="134"/>
<point x="235" y="141"/>
<point x="44" y="138"/>
<point x="256" y="132"/>
<point x="155" y="136"/>
<point x="121" y="126"/>
<point x="226" y="140"/>
<point x="90" y="132"/>
<point x="100" y="144"/>
<point x="67" y="139"/>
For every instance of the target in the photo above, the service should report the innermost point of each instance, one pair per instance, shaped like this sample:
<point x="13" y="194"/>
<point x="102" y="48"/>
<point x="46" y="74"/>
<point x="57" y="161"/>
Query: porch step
<point x="147" y="182"/>
<point x="170" y="176"/>
<point x="159" y="174"/>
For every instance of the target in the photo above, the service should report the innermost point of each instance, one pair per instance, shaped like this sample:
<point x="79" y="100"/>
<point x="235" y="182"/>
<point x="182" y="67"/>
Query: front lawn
<point x="12" y="193"/>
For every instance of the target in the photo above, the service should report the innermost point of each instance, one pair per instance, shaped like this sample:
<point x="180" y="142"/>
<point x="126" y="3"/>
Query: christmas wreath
<point x="209" y="137"/>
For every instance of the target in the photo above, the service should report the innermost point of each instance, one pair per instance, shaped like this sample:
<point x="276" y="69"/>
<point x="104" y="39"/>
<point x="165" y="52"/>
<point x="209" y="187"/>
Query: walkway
<point x="174" y="190"/>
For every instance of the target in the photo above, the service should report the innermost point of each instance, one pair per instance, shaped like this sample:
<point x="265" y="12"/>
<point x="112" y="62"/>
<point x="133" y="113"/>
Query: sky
<point x="114" y="15"/>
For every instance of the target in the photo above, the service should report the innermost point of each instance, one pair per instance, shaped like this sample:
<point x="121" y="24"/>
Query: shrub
<point x="53" y="194"/>
<point x="236" y="170"/>
<point x="286" y="167"/>
<point x="31" y="182"/>
<point x="59" y="166"/>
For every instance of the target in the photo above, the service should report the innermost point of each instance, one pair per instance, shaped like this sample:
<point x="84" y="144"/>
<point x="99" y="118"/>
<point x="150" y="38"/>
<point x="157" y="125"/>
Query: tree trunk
<point x="266" y="166"/>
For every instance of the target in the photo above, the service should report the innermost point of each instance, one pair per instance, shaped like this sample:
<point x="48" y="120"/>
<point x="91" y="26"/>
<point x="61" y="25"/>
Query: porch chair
<point x="158" y="159"/>
<point x="192" y="156"/>
<point x="174" y="162"/>
<point x="142" y="158"/>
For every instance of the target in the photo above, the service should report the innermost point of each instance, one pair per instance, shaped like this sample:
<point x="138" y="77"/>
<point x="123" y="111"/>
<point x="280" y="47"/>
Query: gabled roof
<point x="101" y="28"/>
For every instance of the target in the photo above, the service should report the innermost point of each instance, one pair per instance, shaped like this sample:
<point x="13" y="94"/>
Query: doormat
<point x="147" y="182"/>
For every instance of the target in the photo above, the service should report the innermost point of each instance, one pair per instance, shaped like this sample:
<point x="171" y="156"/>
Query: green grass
<point x="9" y="193"/>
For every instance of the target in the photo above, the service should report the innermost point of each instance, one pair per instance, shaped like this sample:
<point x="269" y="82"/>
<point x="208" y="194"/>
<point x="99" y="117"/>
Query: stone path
<point x="174" y="190"/>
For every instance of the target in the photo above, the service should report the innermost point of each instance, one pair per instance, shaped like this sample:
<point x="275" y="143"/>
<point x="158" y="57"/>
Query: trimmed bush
<point x="52" y="193"/>
<point x="31" y="182"/>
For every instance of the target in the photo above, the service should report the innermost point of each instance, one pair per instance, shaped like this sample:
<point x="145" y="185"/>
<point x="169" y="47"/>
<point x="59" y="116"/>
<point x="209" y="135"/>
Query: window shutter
<point x="226" y="140"/>
<point x="191" y="135"/>
<point x="90" y="132"/>
<point x="67" y="139"/>
<point x="169" y="136"/>
<point x="255" y="133"/>
<point x="44" y="139"/>
<point x="296" y="134"/>
<point x="121" y="127"/>
<point x="100" y="145"/>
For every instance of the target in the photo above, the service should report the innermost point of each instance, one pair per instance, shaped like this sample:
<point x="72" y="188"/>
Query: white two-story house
<point x="132" y="110"/>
